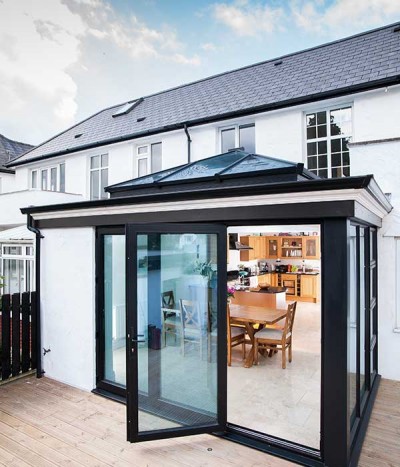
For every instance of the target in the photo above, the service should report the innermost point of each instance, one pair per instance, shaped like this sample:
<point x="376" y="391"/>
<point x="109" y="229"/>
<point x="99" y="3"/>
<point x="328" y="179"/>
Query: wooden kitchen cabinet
<point x="248" y="255"/>
<point x="258" y="244"/>
<point x="272" y="247"/>
<point x="264" y="279"/>
<point x="309" y="287"/>
<point x="311" y="248"/>
<point x="290" y="282"/>
<point x="274" y="280"/>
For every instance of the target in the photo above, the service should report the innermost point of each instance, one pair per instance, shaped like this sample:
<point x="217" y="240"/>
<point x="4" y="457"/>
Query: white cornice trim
<point x="359" y="195"/>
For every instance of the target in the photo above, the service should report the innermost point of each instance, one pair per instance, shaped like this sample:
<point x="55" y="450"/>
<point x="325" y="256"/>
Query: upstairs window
<point x="328" y="134"/>
<point x="149" y="159"/>
<point x="236" y="136"/>
<point x="49" y="178"/>
<point x="98" y="176"/>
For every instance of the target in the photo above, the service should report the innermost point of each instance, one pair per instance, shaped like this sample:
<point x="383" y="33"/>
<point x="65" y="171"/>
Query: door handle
<point x="138" y="340"/>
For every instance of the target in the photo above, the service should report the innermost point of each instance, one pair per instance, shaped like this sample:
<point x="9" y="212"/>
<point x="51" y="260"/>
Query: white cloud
<point x="248" y="19"/>
<point x="344" y="16"/>
<point x="42" y="42"/>
<point x="208" y="47"/>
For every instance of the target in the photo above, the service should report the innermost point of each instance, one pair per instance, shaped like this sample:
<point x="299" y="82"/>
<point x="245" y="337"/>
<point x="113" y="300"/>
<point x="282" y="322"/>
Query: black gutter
<point x="7" y="171"/>
<point x="189" y="143"/>
<point x="39" y="236"/>
<point x="225" y="116"/>
<point x="242" y="190"/>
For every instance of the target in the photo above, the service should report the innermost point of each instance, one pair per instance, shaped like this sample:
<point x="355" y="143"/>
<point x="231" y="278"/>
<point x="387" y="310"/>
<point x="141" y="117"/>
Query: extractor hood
<point x="234" y="243"/>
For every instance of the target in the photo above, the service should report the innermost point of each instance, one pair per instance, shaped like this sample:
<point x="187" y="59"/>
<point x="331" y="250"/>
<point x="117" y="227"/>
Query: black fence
<point x="17" y="334"/>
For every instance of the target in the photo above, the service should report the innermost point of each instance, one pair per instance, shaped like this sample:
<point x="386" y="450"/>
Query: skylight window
<point x="126" y="108"/>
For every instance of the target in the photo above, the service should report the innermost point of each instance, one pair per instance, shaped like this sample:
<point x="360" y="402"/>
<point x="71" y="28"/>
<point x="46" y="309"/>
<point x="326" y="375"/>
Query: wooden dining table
<point x="250" y="315"/>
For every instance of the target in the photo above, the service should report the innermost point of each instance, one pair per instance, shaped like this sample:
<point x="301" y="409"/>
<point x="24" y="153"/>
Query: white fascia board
<point x="359" y="195"/>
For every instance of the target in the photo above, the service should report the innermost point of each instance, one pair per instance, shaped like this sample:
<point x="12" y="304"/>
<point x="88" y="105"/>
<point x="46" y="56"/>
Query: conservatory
<point x="235" y="295"/>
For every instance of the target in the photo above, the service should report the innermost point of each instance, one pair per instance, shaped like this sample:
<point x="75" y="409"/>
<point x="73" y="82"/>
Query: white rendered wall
<point x="7" y="182"/>
<point x="11" y="204"/>
<point x="68" y="305"/>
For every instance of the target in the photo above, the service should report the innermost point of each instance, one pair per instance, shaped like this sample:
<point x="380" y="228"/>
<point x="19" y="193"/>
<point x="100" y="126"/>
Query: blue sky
<point x="62" y="60"/>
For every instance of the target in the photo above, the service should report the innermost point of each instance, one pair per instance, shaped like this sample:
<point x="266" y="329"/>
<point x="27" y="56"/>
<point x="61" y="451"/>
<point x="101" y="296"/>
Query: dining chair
<point x="192" y="325"/>
<point x="171" y="322"/>
<point x="274" y="339"/>
<point x="235" y="336"/>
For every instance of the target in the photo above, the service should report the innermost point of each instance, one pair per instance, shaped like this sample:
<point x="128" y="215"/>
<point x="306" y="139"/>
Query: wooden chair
<point x="235" y="336"/>
<point x="277" y="339"/>
<point x="192" y="324"/>
<point x="171" y="322"/>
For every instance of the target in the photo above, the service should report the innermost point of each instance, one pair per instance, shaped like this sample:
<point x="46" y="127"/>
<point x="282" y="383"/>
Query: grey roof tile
<point x="9" y="150"/>
<point x="349" y="62"/>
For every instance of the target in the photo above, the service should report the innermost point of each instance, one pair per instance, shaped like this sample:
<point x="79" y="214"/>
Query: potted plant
<point x="230" y="293"/>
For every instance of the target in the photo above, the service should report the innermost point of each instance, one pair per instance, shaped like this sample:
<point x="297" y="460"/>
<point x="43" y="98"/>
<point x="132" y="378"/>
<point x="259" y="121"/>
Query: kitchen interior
<point x="270" y="267"/>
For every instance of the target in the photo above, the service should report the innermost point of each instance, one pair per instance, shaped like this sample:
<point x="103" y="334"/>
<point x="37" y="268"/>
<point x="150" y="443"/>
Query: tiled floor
<point x="283" y="403"/>
<point x="265" y="398"/>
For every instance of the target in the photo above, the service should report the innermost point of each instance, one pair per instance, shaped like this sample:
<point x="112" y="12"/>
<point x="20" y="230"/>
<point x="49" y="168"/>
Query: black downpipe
<point x="39" y="236"/>
<point x="189" y="142"/>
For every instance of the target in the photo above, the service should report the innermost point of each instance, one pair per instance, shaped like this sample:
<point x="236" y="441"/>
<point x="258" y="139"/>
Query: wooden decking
<point x="382" y="441"/>
<point x="46" y="423"/>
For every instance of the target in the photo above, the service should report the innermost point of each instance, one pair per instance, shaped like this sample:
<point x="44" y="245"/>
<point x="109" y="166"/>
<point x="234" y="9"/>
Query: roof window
<point x="126" y="108"/>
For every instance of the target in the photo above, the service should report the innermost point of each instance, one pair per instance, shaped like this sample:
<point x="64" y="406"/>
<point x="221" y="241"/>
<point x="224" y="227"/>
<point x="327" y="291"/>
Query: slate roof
<point x="231" y="167"/>
<point x="363" y="61"/>
<point x="10" y="150"/>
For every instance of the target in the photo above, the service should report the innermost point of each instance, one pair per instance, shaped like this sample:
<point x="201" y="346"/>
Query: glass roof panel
<point x="254" y="163"/>
<point x="151" y="178"/>
<point x="207" y="167"/>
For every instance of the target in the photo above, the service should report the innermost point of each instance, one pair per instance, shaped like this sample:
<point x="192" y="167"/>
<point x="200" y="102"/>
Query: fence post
<point x="16" y="337"/>
<point x="34" y="355"/>
<point x="25" y="335"/>
<point x="5" y="339"/>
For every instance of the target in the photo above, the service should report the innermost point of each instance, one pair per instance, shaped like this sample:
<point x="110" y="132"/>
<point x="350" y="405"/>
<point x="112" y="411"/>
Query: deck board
<point x="47" y="423"/>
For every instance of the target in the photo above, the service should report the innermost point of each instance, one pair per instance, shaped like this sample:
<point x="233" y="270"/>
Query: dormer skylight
<point x="126" y="108"/>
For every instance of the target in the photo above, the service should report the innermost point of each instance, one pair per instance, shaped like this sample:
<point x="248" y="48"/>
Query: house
<point x="17" y="263"/>
<point x="16" y="243"/>
<point x="193" y="156"/>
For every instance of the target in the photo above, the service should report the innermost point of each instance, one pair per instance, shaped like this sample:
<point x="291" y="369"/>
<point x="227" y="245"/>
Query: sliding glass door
<point x="176" y="313"/>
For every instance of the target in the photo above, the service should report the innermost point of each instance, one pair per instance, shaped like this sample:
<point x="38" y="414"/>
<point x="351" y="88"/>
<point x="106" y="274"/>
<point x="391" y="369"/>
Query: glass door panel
<point x="176" y="331"/>
<point x="114" y="309"/>
<point x="111" y="311"/>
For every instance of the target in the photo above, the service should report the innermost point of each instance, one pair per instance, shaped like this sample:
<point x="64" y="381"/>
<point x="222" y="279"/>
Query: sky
<point x="63" y="60"/>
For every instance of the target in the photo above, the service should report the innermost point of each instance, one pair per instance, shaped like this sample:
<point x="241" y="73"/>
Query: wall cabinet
<point x="272" y="250"/>
<point x="258" y="245"/>
<point x="280" y="247"/>
<point x="311" y="248"/>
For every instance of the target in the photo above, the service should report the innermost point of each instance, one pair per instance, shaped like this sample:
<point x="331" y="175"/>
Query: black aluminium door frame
<point x="104" y="386"/>
<point x="132" y="386"/>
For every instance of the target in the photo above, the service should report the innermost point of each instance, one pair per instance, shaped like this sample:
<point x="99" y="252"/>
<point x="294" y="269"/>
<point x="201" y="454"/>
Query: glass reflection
<point x="177" y="315"/>
<point x="114" y="309"/>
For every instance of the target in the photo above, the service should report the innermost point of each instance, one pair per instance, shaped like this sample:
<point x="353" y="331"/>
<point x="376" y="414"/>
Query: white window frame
<point x="328" y="137"/>
<point x="27" y="259"/>
<point x="98" y="169"/>
<point x="236" y="127"/>
<point x="39" y="171"/>
<point x="146" y="156"/>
